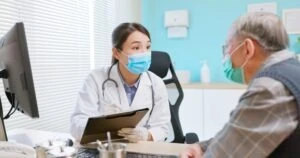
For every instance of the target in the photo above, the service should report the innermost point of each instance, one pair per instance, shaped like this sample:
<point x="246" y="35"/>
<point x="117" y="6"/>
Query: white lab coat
<point x="91" y="103"/>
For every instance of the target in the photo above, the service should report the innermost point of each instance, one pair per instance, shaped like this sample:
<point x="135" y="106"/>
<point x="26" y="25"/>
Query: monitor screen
<point x="16" y="71"/>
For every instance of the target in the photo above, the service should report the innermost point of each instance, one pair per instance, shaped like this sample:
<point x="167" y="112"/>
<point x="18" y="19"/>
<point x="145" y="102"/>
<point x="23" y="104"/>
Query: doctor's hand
<point x="192" y="151"/>
<point x="135" y="134"/>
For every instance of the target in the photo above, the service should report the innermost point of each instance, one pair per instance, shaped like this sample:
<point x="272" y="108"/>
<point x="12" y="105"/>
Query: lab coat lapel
<point x="143" y="95"/>
<point x="115" y="76"/>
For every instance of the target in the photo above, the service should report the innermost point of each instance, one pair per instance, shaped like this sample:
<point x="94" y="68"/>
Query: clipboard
<point x="97" y="127"/>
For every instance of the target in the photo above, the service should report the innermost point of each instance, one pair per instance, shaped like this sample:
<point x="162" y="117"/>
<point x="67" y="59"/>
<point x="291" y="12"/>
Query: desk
<point x="145" y="147"/>
<point x="35" y="137"/>
<point x="156" y="147"/>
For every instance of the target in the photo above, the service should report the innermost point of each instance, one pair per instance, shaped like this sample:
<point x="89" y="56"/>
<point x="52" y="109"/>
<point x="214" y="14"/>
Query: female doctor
<point x="126" y="85"/>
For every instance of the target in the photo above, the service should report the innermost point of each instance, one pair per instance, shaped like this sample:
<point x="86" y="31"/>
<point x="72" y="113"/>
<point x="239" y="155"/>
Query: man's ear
<point x="250" y="46"/>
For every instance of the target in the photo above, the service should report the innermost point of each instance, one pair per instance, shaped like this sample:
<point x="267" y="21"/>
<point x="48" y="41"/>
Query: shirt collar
<point x="277" y="57"/>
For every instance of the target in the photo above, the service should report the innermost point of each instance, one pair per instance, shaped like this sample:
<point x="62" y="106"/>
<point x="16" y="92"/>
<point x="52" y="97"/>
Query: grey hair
<point x="266" y="28"/>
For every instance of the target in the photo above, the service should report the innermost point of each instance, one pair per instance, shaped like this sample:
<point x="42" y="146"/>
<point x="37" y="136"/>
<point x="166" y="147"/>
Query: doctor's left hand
<point x="135" y="134"/>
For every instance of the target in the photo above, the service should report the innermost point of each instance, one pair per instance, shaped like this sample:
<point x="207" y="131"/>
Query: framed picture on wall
<point x="290" y="19"/>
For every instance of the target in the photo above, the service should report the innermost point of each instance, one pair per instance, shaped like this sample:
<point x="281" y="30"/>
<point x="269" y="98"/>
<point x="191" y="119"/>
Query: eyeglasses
<point x="224" y="49"/>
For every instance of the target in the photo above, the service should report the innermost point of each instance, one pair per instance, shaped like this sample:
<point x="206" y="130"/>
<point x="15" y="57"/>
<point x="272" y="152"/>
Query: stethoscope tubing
<point x="109" y="79"/>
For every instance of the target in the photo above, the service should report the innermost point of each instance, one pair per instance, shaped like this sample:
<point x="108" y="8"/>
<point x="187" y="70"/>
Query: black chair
<point x="160" y="65"/>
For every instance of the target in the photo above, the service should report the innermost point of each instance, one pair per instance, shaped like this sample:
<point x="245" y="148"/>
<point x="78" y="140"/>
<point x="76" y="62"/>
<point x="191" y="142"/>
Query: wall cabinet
<point x="205" y="111"/>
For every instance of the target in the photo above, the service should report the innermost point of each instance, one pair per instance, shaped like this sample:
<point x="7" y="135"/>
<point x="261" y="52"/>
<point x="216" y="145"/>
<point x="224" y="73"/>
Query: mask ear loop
<point x="121" y="62"/>
<point x="245" y="62"/>
<point x="242" y="68"/>
<point x="227" y="55"/>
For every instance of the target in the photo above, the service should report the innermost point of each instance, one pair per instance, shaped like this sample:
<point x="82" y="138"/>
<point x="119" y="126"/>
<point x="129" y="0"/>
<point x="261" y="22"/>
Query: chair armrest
<point x="191" y="138"/>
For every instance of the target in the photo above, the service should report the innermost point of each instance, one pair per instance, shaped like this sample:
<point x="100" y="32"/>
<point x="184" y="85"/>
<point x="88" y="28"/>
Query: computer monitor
<point x="16" y="72"/>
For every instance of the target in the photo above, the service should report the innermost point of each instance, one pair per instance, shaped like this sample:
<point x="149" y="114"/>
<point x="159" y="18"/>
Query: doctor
<point x="126" y="85"/>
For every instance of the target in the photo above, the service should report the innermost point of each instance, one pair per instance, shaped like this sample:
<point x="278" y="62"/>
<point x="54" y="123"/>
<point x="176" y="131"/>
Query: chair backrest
<point x="161" y="64"/>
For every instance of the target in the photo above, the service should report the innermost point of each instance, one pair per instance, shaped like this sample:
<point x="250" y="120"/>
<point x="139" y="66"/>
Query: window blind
<point x="105" y="21"/>
<point x="66" y="38"/>
<point x="57" y="34"/>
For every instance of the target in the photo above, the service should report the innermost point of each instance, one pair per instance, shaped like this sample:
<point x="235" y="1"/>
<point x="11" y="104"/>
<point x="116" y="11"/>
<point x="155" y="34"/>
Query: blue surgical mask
<point x="139" y="62"/>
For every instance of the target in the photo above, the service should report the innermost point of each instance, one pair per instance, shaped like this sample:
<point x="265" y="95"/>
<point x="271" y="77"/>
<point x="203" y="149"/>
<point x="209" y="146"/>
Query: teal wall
<point x="209" y="23"/>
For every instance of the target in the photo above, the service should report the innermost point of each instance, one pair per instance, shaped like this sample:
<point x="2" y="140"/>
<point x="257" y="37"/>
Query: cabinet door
<point x="191" y="112"/>
<point x="218" y="103"/>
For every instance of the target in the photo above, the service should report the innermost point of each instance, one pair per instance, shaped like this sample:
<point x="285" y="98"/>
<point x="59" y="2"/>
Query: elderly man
<point x="265" y="121"/>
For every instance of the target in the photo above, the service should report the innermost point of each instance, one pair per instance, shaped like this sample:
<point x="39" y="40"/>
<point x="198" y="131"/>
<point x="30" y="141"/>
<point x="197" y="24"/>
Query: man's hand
<point x="193" y="151"/>
<point x="135" y="134"/>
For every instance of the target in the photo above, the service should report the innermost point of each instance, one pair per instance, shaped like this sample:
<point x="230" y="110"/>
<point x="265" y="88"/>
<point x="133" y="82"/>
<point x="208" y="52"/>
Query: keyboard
<point x="144" y="155"/>
<point x="94" y="153"/>
<point x="87" y="153"/>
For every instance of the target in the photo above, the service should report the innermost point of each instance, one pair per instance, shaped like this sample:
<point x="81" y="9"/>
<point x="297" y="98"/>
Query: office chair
<point x="160" y="65"/>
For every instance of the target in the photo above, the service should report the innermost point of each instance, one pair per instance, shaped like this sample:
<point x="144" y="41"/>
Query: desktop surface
<point x="34" y="137"/>
<point x="143" y="149"/>
<point x="94" y="153"/>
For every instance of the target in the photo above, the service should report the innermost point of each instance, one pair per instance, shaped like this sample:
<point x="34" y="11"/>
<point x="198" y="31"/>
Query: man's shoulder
<point x="262" y="84"/>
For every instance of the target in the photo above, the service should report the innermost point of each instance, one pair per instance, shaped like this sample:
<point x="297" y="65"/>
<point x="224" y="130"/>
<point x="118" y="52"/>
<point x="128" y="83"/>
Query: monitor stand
<point x="3" y="136"/>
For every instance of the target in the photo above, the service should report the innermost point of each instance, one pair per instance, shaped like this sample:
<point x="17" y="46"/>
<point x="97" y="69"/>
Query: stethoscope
<point x="109" y="79"/>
